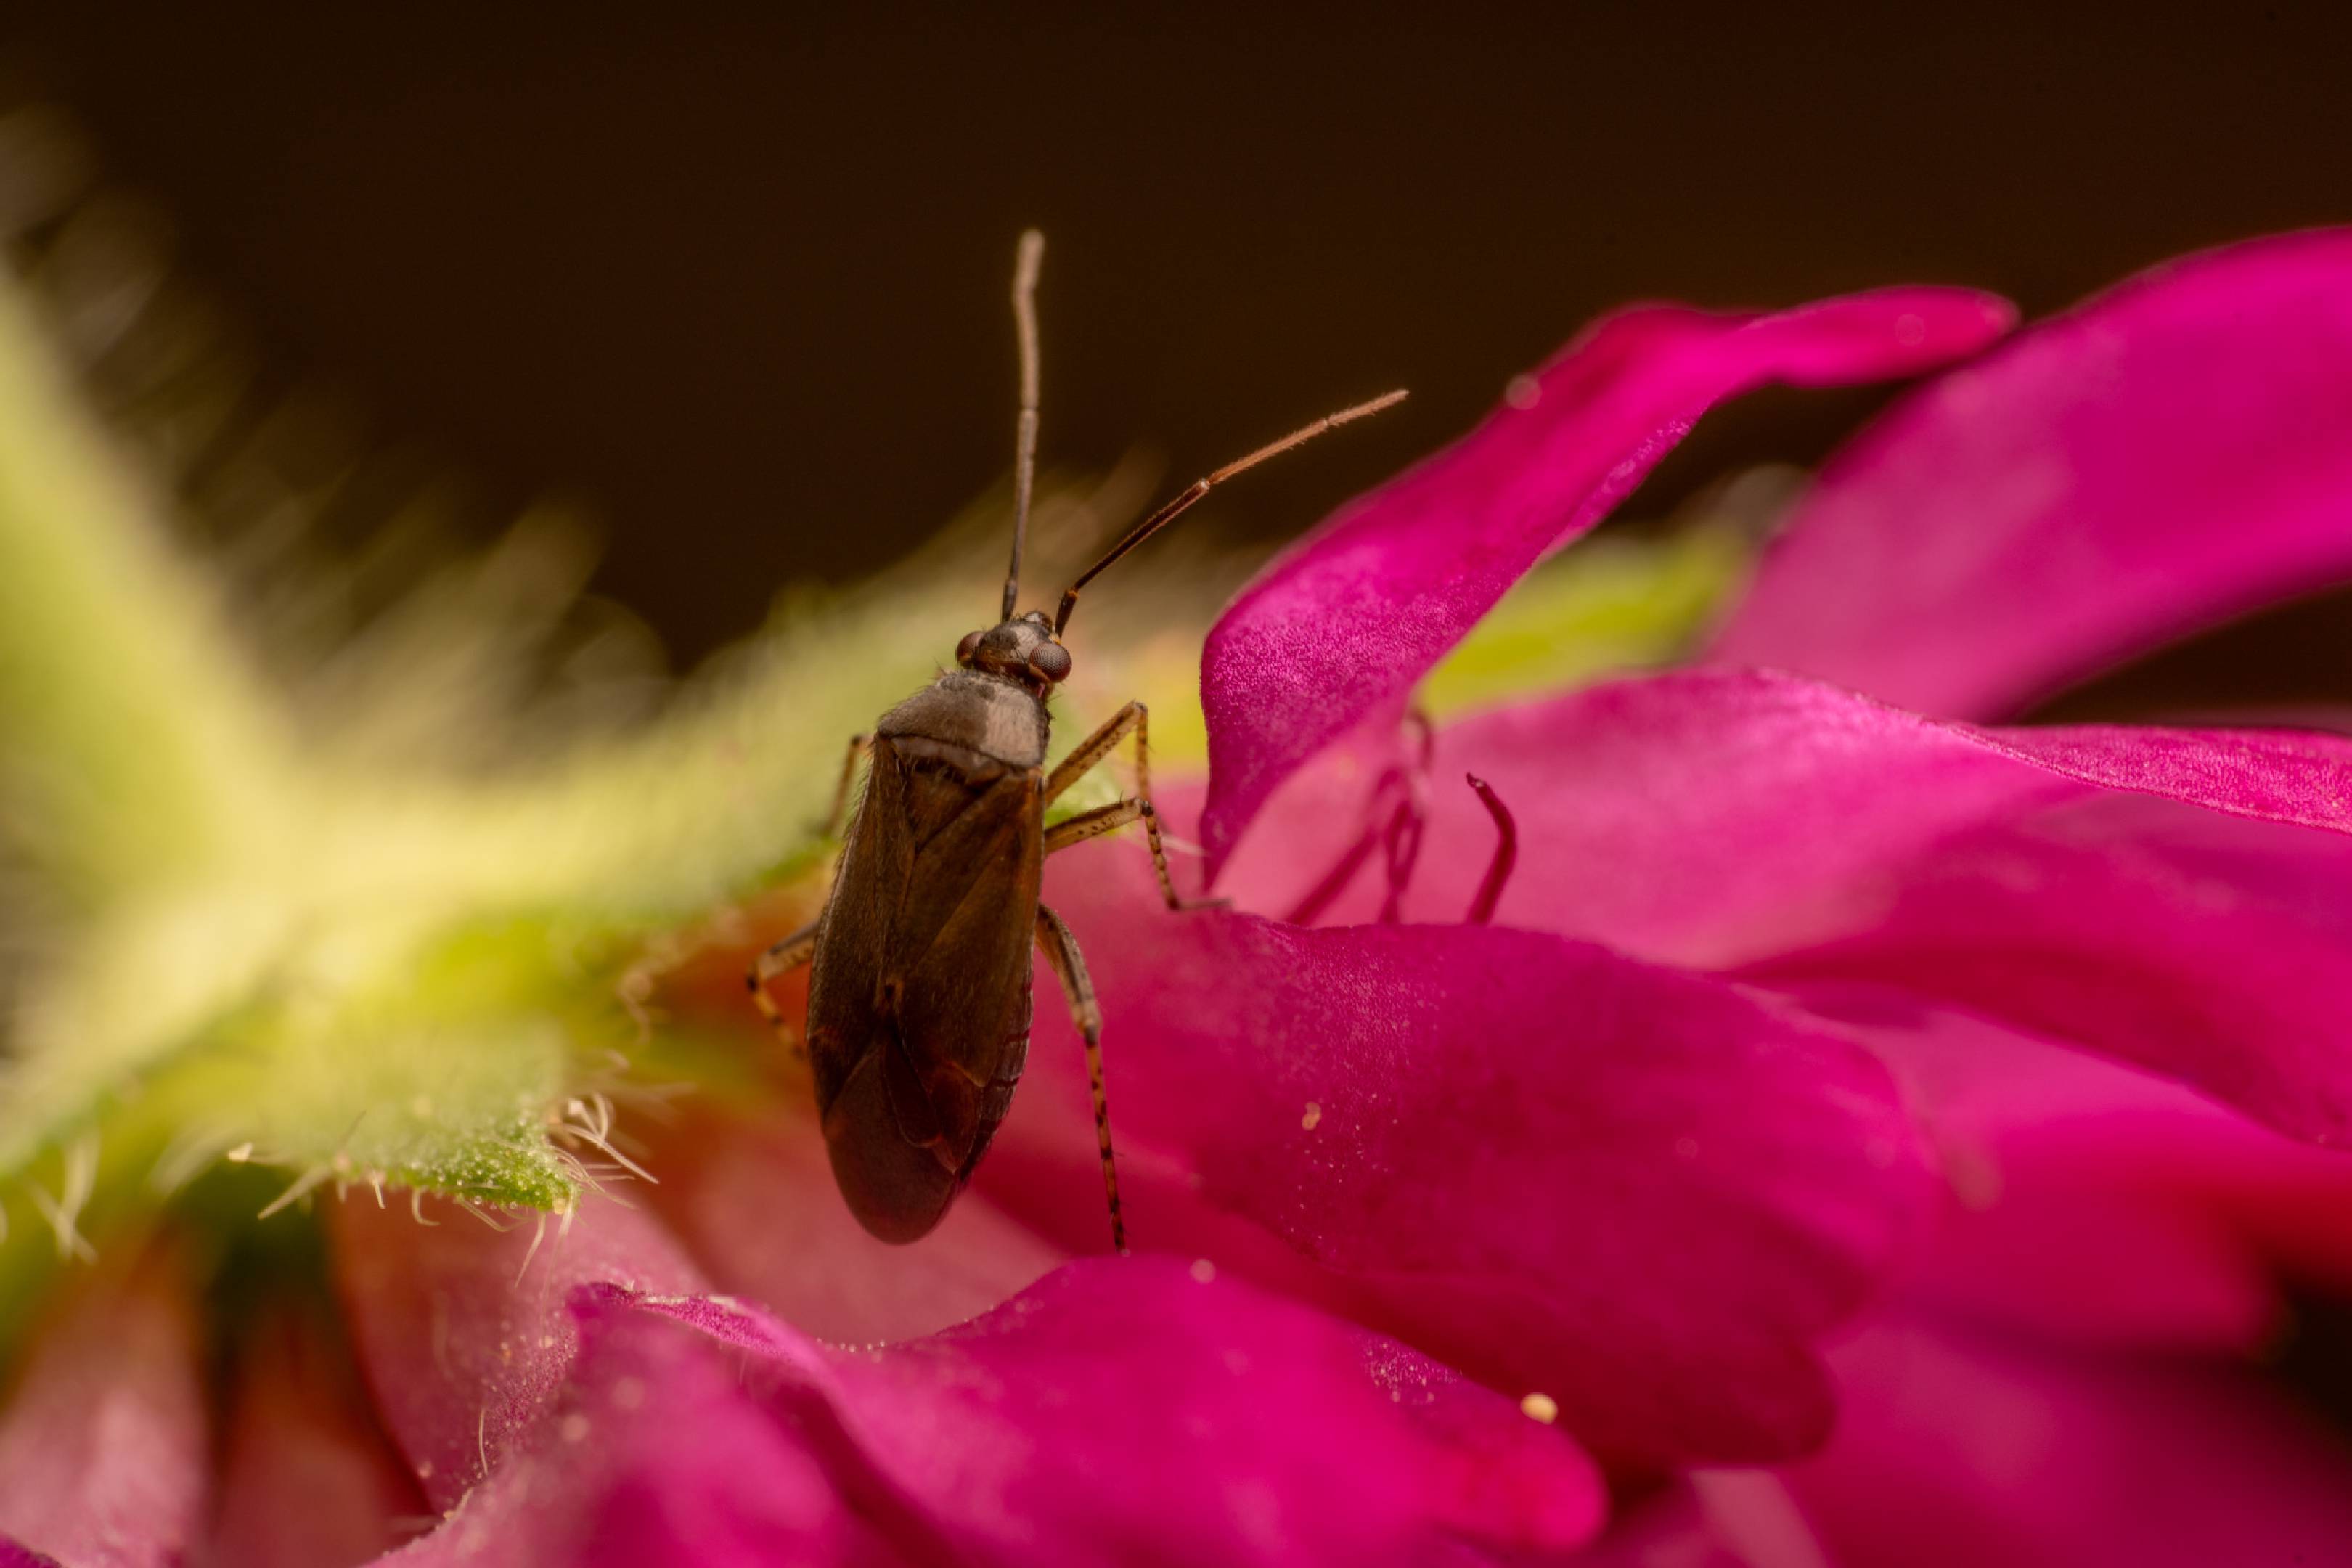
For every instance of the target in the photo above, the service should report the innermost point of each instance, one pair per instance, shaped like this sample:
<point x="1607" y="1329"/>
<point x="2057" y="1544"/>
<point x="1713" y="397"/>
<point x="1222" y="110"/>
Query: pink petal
<point x="2210" y="951"/>
<point x="1966" y="1449"/>
<point x="307" y="1479"/>
<point x="651" y="1452"/>
<point x="1341" y="628"/>
<point x="1637" y="1192"/>
<point x="2070" y="1215"/>
<point x="1126" y="1411"/>
<point x="462" y="1331"/>
<point x="104" y="1447"/>
<point x="754" y="1199"/>
<point x="2098" y="1204"/>
<point x="2172" y="453"/>
<point x="1706" y="817"/>
<point x="1666" y="1528"/>
<point x="1744" y="819"/>
<point x="1086" y="1421"/>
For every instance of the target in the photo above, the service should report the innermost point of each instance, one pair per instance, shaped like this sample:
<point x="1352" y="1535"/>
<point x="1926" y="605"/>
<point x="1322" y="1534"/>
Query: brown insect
<point x="918" y="1003"/>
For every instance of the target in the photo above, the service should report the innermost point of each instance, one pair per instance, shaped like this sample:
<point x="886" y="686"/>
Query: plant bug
<point x="918" y="1000"/>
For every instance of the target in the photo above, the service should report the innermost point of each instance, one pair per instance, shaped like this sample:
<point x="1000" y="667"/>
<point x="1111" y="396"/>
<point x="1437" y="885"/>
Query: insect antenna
<point x="1024" y="435"/>
<point x="1202" y="487"/>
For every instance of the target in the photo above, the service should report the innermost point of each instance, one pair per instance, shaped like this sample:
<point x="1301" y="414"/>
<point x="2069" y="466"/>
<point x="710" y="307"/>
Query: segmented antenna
<point x="1202" y="487"/>
<point x="1025" y="436"/>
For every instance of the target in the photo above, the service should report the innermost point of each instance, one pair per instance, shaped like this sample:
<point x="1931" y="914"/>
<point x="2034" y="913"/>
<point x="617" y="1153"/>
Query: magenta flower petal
<point x="1343" y="626"/>
<point x="462" y="1330"/>
<point x="2098" y="1204"/>
<point x="1669" y="1528"/>
<point x="1706" y="817"/>
<point x="651" y="1452"/>
<point x="2171" y="453"/>
<point x="1961" y="1450"/>
<point x="1127" y="1411"/>
<point x="2211" y="951"/>
<point x="1118" y="1411"/>
<point x="1639" y="1193"/>
<point x="103" y="1446"/>
<point x="1724" y="818"/>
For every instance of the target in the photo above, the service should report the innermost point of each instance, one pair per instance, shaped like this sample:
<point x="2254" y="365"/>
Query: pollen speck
<point x="1313" y="1114"/>
<point x="1203" y="1270"/>
<point x="1541" y="1407"/>
<point x="1523" y="392"/>
<point x="240" y="1154"/>
<point x="573" y="1428"/>
<point x="628" y="1392"/>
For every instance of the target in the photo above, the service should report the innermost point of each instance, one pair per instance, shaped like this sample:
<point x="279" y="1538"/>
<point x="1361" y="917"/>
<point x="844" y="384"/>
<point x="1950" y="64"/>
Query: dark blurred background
<point x="737" y="276"/>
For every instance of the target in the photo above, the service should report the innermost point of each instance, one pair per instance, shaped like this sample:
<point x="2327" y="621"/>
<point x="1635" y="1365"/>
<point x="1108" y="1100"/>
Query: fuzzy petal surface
<point x="463" y="1331"/>
<point x="1340" y="629"/>
<point x="651" y="1451"/>
<point x="2169" y="454"/>
<point x="1710" y="816"/>
<point x="1639" y="1193"/>
<point x="1117" y="1411"/>
<point x="1127" y="1411"/>
<point x="2173" y="898"/>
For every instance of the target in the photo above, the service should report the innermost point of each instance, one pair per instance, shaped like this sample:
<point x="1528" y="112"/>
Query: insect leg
<point x="1105" y="819"/>
<point x="781" y="959"/>
<point x="1061" y="950"/>
<point x="1110" y="819"/>
<point x="858" y="745"/>
<point x="1090" y="751"/>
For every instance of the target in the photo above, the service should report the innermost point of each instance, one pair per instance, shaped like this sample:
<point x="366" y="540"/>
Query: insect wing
<point x="919" y="1005"/>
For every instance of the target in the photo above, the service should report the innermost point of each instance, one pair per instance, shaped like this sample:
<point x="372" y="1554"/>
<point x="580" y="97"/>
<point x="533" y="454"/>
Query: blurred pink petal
<point x="2169" y="454"/>
<point x="2100" y="1205"/>
<point x="1967" y="1450"/>
<point x="104" y="1447"/>
<point x="463" y="1331"/>
<point x="1340" y="628"/>
<point x="1665" y="1528"/>
<point x="1637" y="1191"/>
<point x="753" y="1199"/>
<point x="1129" y="1411"/>
<point x="2213" y="952"/>
<point x="306" y="1480"/>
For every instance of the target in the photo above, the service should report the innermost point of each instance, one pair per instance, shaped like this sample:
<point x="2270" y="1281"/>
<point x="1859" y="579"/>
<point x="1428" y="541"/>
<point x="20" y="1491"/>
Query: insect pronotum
<point x="919" y="1001"/>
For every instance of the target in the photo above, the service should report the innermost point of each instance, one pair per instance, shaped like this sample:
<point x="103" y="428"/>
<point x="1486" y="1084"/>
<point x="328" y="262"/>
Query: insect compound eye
<point x="1050" y="661"/>
<point x="969" y="647"/>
